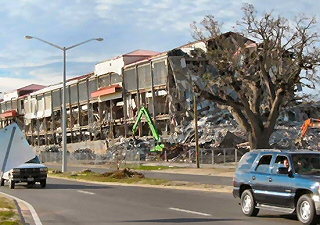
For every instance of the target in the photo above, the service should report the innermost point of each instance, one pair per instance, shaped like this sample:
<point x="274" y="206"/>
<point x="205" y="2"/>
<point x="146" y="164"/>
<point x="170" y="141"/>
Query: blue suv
<point x="286" y="181"/>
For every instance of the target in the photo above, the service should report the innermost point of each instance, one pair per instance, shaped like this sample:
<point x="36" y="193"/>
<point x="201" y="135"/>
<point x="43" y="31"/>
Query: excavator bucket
<point x="157" y="148"/>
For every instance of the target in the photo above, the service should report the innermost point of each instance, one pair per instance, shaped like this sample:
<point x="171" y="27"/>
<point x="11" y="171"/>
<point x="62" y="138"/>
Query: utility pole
<point x="195" y="111"/>
<point x="64" y="105"/>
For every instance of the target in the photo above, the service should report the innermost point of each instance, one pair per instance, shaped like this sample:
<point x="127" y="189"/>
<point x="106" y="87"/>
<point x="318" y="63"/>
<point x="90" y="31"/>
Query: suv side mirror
<point x="283" y="170"/>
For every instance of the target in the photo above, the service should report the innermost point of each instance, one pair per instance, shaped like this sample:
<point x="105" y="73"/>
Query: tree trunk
<point x="259" y="141"/>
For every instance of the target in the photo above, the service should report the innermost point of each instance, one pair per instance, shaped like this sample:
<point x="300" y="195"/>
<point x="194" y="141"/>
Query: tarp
<point x="14" y="148"/>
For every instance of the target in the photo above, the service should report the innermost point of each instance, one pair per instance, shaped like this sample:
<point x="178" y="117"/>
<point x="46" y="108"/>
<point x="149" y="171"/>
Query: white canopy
<point x="14" y="148"/>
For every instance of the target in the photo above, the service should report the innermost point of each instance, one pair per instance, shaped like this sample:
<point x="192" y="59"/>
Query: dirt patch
<point x="122" y="174"/>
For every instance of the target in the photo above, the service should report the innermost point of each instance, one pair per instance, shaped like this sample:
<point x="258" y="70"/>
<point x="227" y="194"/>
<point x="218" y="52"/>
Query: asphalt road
<point x="66" y="202"/>
<point x="203" y="179"/>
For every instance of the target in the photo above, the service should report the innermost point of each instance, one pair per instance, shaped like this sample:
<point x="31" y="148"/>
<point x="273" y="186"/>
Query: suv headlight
<point x="44" y="170"/>
<point x="15" y="171"/>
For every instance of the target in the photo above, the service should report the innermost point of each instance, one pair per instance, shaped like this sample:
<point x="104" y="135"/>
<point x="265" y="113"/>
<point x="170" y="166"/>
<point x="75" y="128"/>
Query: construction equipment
<point x="311" y="122"/>
<point x="159" y="146"/>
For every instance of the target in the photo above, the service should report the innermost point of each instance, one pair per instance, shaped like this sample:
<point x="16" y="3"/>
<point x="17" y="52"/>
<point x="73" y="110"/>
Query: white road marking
<point x="86" y="192"/>
<point x="35" y="216"/>
<point x="192" y="212"/>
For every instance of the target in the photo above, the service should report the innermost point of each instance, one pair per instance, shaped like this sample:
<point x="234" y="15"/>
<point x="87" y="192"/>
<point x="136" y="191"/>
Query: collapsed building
<point x="103" y="105"/>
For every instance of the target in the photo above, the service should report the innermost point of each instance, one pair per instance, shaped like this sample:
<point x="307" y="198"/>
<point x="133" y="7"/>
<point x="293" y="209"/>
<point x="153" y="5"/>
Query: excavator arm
<point x="311" y="122"/>
<point x="144" y="111"/>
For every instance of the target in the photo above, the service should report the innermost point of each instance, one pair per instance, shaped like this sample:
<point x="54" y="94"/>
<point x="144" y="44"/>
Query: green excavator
<point x="159" y="146"/>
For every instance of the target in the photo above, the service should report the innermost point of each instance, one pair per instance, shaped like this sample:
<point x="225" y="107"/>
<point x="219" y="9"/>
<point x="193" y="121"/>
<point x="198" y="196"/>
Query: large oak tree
<point x="255" y="76"/>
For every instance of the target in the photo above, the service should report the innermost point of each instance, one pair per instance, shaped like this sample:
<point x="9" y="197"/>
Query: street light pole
<point x="64" y="111"/>
<point x="195" y="111"/>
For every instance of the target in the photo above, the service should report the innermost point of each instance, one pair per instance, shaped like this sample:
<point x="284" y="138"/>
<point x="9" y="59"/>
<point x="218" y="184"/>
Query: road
<point x="67" y="202"/>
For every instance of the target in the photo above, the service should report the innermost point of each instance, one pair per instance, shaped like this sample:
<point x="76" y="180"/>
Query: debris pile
<point x="122" y="174"/>
<point x="173" y="151"/>
<point x="219" y="130"/>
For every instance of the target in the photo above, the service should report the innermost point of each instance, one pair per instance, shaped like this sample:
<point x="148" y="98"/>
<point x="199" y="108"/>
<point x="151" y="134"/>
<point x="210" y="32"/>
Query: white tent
<point x="14" y="148"/>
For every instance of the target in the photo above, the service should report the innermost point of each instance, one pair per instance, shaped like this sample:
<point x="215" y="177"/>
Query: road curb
<point x="26" y="210"/>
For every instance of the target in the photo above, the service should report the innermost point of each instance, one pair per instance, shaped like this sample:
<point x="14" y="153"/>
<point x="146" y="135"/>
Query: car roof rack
<point x="267" y="150"/>
<point x="284" y="150"/>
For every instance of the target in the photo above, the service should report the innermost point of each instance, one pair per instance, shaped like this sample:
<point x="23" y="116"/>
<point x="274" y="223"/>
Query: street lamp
<point x="64" y="124"/>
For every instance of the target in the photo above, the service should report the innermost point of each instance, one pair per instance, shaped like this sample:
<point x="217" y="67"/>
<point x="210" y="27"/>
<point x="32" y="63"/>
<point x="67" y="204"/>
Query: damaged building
<point x="103" y="105"/>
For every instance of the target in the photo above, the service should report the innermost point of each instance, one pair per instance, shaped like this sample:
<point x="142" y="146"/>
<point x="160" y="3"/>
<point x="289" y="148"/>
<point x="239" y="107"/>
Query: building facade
<point x="102" y="105"/>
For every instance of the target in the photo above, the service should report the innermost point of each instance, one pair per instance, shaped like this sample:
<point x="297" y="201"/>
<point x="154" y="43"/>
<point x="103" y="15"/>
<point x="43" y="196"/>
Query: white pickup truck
<point x="30" y="172"/>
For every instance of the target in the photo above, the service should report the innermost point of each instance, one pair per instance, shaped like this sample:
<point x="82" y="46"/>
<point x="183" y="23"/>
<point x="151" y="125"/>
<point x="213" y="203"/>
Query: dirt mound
<point x="122" y="174"/>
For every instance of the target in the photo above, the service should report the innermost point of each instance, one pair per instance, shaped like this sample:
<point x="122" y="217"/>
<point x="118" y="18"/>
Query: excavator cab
<point x="309" y="123"/>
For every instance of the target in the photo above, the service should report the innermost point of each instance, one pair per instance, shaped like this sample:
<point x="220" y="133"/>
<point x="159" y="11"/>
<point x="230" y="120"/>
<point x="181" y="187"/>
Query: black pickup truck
<point x="286" y="181"/>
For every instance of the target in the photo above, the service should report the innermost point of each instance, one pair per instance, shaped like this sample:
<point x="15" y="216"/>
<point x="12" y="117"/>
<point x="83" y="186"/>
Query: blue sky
<point x="124" y="25"/>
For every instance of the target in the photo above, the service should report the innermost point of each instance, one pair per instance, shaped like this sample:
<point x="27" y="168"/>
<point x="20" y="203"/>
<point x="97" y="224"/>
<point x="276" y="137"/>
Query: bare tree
<point x="258" y="70"/>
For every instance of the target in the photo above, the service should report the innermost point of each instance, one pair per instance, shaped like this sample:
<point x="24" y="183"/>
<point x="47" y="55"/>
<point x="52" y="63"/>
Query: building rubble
<point x="217" y="130"/>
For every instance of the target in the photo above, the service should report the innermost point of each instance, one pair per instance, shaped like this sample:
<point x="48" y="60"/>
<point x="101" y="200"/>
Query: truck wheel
<point x="1" y="182"/>
<point x="306" y="210"/>
<point x="11" y="184"/>
<point x="248" y="204"/>
<point x="43" y="183"/>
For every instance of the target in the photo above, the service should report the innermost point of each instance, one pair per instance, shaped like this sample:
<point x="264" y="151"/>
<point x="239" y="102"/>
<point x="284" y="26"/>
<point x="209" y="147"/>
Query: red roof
<point x="80" y="77"/>
<point x="31" y="87"/>
<point x="106" y="90"/>
<point x="141" y="52"/>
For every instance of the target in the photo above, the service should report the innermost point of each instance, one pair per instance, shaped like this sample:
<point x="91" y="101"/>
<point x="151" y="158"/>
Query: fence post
<point x="236" y="155"/>
<point x="224" y="156"/>
<point x="212" y="156"/>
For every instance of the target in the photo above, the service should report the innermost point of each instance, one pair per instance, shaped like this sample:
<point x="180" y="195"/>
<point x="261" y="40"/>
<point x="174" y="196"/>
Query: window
<point x="281" y="161"/>
<point x="246" y="161"/>
<point x="306" y="163"/>
<point x="264" y="164"/>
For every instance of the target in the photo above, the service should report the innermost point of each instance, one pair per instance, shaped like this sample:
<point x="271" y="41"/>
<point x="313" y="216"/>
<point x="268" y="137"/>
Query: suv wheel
<point x="248" y="204"/>
<point x="306" y="210"/>
<point x="11" y="184"/>
<point x="1" y="182"/>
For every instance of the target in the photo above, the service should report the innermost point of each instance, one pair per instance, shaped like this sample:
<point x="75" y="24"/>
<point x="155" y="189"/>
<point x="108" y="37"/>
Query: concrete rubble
<point x="217" y="130"/>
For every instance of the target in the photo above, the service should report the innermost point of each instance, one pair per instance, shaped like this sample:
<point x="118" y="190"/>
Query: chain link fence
<point x="137" y="156"/>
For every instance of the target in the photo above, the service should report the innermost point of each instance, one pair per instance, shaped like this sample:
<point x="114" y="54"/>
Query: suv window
<point x="246" y="161"/>
<point x="279" y="162"/>
<point x="264" y="164"/>
<point x="306" y="163"/>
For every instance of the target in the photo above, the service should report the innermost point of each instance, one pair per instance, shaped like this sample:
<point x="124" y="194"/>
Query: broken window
<point x="92" y="86"/>
<point x="104" y="81"/>
<point x="160" y="73"/>
<point x="130" y="79"/>
<point x="83" y="93"/>
<point x="115" y="78"/>
<point x="74" y="94"/>
<point x="144" y="75"/>
<point x="56" y="99"/>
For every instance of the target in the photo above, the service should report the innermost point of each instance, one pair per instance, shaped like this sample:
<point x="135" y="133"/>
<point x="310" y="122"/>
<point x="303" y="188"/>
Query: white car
<point x="30" y="172"/>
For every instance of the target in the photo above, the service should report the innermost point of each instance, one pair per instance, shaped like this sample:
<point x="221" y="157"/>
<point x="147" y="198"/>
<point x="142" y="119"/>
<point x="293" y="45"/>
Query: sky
<point x="125" y="26"/>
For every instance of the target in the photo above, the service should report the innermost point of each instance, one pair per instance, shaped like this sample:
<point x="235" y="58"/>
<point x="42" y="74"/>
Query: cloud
<point x="125" y="25"/>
